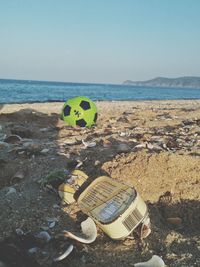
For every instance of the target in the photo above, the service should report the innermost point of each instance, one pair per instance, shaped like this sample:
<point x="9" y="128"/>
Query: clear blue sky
<point x="99" y="40"/>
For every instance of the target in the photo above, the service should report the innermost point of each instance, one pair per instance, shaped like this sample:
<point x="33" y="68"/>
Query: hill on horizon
<point x="181" y="82"/>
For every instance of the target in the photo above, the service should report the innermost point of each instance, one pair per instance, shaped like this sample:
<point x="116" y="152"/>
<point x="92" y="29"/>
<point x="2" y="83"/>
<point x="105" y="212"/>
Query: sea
<point x="21" y="91"/>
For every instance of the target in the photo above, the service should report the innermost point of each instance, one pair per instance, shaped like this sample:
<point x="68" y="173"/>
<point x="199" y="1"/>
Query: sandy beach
<point x="152" y="145"/>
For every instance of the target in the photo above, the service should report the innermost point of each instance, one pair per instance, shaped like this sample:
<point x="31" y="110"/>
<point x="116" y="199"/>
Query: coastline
<point x="57" y="106"/>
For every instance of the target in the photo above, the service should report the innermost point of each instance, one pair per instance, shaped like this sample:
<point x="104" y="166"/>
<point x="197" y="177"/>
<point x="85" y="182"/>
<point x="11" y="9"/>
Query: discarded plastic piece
<point x="116" y="207"/>
<point x="89" y="232"/>
<point x="66" y="190"/>
<point x="155" y="261"/>
<point x="65" y="254"/>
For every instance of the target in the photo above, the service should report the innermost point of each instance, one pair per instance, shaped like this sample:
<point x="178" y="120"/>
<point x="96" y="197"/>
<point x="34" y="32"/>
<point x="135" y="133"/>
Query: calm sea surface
<point x="18" y="91"/>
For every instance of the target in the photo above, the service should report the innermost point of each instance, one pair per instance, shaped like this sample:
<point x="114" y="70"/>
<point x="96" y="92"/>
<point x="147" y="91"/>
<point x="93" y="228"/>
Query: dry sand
<point x="153" y="145"/>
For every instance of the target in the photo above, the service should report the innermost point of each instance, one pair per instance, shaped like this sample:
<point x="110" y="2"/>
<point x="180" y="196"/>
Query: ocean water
<point x="20" y="91"/>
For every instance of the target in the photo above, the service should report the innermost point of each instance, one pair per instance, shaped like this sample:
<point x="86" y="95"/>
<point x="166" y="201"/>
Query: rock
<point x="123" y="147"/>
<point x="174" y="220"/>
<point x="32" y="148"/>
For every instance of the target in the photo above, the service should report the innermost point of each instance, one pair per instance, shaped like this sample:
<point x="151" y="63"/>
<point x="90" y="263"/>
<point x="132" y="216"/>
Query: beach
<point x="152" y="145"/>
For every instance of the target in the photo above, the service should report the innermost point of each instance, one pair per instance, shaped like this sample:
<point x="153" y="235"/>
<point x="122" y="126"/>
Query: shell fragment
<point x="65" y="254"/>
<point x="89" y="232"/>
<point x="155" y="261"/>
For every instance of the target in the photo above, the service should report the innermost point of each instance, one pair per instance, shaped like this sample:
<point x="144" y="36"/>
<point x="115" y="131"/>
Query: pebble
<point x="44" y="151"/>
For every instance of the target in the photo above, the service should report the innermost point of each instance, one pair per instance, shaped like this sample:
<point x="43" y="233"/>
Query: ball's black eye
<point x="85" y="105"/>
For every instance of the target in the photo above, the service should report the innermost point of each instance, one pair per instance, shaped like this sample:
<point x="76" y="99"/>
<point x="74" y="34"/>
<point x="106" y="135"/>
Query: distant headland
<point x="181" y="82"/>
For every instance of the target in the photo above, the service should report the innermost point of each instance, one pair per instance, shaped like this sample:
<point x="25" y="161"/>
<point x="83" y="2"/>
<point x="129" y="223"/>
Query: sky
<point x="100" y="41"/>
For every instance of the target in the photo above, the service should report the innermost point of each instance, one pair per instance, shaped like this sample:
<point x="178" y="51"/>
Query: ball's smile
<point x="77" y="113"/>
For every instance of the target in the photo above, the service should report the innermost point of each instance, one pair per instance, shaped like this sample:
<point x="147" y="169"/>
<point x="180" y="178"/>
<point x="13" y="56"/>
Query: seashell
<point x="65" y="254"/>
<point x="43" y="235"/>
<point x="88" y="144"/>
<point x="70" y="142"/>
<point x="143" y="145"/>
<point x="19" y="231"/>
<point x="19" y="175"/>
<point x="79" y="164"/>
<point x="154" y="147"/>
<point x="122" y="134"/>
<point x="89" y="232"/>
<point x="11" y="190"/>
<point x="12" y="139"/>
<point x="155" y="261"/>
<point x="33" y="250"/>
<point x="44" y="151"/>
<point x="149" y="146"/>
<point x="52" y="222"/>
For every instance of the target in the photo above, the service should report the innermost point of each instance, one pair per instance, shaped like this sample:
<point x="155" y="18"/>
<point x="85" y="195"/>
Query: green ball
<point x="79" y="111"/>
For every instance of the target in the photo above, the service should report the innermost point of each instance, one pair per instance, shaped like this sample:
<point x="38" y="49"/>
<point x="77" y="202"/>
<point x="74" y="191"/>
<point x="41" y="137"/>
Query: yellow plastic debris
<point x="67" y="190"/>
